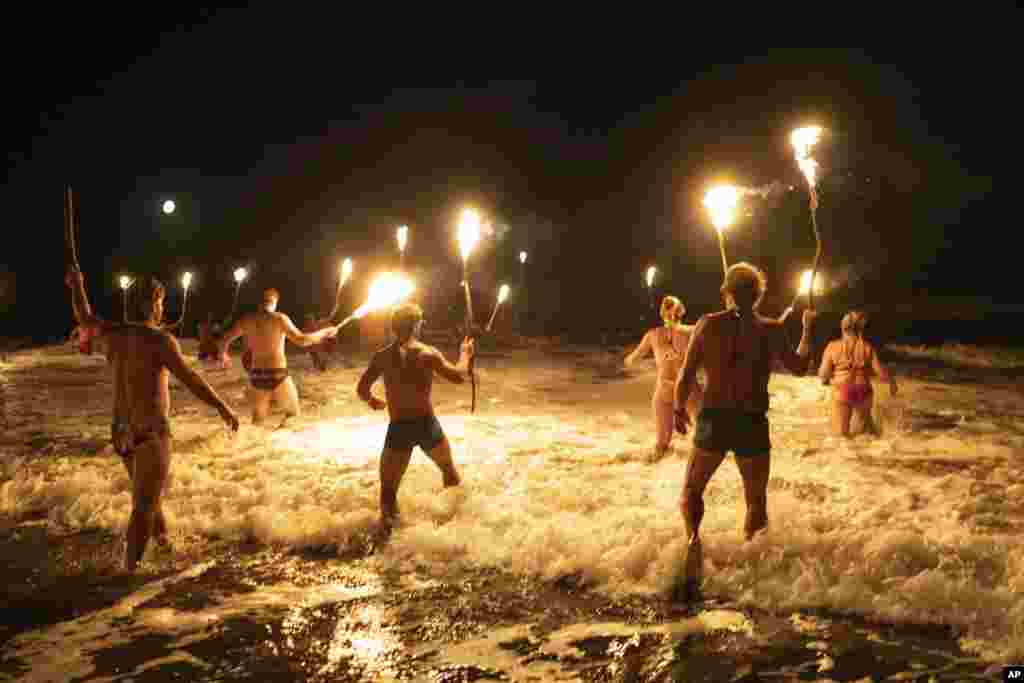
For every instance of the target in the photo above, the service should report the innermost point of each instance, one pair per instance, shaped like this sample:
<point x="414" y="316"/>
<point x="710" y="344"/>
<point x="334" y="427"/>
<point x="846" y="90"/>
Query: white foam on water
<point x="915" y="526"/>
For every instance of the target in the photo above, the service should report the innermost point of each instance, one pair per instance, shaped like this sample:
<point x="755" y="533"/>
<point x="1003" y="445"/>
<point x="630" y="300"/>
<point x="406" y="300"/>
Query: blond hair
<point x="672" y="309"/>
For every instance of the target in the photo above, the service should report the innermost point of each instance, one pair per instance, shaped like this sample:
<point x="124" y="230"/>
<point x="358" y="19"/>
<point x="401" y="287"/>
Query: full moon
<point x="169" y="206"/>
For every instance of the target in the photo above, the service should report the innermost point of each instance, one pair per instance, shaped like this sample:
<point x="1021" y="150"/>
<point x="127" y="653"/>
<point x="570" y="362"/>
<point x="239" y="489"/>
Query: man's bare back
<point x="407" y="367"/>
<point x="143" y="357"/>
<point x="408" y="374"/>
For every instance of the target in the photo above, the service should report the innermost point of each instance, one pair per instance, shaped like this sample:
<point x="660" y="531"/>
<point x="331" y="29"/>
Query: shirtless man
<point x="143" y="356"/>
<point x="737" y="348"/>
<point x="265" y="332"/>
<point x="848" y="364"/>
<point x="669" y="343"/>
<point x="408" y="366"/>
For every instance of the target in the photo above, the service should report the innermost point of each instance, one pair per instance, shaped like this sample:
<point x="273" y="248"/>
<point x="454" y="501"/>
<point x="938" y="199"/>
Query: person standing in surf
<point x="737" y="348"/>
<point x="143" y="357"/>
<point x="668" y="342"/>
<point x="848" y="364"/>
<point x="408" y="366"/>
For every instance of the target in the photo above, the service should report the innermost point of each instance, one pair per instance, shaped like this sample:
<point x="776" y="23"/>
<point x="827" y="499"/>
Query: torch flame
<point x="403" y="236"/>
<point x="522" y="257"/>
<point x="387" y="290"/>
<point x="650" y="275"/>
<point x="186" y="280"/>
<point x="469" y="232"/>
<point x="240" y="274"/>
<point x="721" y="202"/>
<point x="805" y="283"/>
<point x="804" y="140"/>
<point x="125" y="281"/>
<point x="502" y="294"/>
<point x="346" y="271"/>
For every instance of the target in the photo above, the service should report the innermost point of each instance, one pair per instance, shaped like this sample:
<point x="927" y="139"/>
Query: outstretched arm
<point x="175" y="362"/>
<point x="79" y="301"/>
<point x="365" y="387"/>
<point x="882" y="373"/>
<point x="300" y="338"/>
<point x="234" y="332"/>
<point x="642" y="350"/>
<point x="453" y="373"/>
<point x="828" y="366"/>
<point x="799" y="362"/>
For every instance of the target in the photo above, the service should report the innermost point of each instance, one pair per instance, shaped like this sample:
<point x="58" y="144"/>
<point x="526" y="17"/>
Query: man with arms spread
<point x="737" y="348"/>
<point x="408" y="366"/>
<point x="143" y="355"/>
<point x="265" y="332"/>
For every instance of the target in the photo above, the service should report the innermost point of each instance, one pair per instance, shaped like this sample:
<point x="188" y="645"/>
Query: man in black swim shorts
<point x="407" y="367"/>
<point x="737" y="348"/>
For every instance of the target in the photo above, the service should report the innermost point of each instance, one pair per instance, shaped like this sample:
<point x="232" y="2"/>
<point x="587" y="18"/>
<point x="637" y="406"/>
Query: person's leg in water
<point x="393" y="463"/>
<point x="260" y="401"/>
<point x="664" y="425"/>
<point x="441" y="454"/>
<point x="699" y="469"/>
<point x="160" y="522"/>
<point x="287" y="396"/>
<point x="864" y="411"/>
<point x="841" y="414"/>
<point x="755" y="470"/>
<point x="151" y="465"/>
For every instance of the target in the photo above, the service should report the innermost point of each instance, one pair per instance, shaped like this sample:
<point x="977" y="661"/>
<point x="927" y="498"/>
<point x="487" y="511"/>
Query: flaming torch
<point x="402" y="235"/>
<point x="803" y="141"/>
<point x="522" y="285"/>
<point x="721" y="202"/>
<point x="240" y="275"/>
<point x="344" y="273"/>
<point x="126" y="282"/>
<point x="806" y="278"/>
<point x="502" y="295"/>
<point x="186" y="282"/>
<point x="469" y="235"/>
<point x="650" y="283"/>
<point x="387" y="290"/>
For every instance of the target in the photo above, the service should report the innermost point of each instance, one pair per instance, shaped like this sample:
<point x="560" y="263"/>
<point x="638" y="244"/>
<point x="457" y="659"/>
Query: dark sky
<point x="290" y="141"/>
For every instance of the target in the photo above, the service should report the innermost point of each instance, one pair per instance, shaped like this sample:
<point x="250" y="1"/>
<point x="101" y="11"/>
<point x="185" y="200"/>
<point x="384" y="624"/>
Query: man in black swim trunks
<point x="408" y="366"/>
<point x="265" y="332"/>
<point x="737" y="348"/>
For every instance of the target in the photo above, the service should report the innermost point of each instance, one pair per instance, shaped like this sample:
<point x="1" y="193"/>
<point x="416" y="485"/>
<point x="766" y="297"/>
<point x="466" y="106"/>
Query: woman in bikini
<point x="848" y="364"/>
<point x="669" y="343"/>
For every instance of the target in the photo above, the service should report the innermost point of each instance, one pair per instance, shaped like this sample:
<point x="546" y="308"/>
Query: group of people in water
<point x="735" y="350"/>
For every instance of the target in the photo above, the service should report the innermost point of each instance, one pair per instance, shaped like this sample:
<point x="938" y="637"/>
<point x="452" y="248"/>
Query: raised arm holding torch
<point x="803" y="141"/>
<point x="469" y="235"/>
<point x="502" y="295"/>
<point x="721" y="203"/>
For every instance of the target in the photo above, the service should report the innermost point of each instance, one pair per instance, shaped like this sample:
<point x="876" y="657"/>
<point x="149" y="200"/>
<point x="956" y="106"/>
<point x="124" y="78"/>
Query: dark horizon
<point x="277" y="160"/>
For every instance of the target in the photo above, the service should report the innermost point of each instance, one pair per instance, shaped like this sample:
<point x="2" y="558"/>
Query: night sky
<point x="291" y="141"/>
